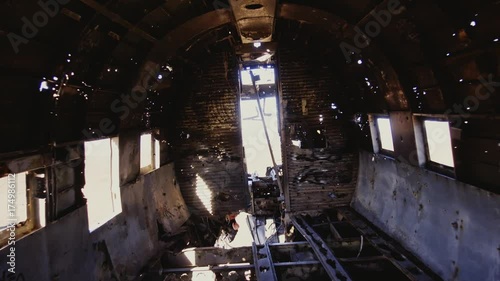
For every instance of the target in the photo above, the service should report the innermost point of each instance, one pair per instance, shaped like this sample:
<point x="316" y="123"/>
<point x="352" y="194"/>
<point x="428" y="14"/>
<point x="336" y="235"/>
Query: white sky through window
<point x="385" y="133"/>
<point x="266" y="76"/>
<point x="439" y="142"/>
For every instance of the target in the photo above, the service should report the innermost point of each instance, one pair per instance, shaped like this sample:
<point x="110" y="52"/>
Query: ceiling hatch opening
<point x="256" y="147"/>
<point x="253" y="6"/>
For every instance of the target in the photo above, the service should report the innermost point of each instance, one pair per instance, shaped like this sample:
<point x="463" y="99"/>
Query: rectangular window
<point x="385" y="133"/>
<point x="438" y="139"/>
<point x="146" y="153"/>
<point x="256" y="147"/>
<point x="20" y="207"/>
<point x="266" y="76"/>
<point x="16" y="203"/>
<point x="102" y="188"/>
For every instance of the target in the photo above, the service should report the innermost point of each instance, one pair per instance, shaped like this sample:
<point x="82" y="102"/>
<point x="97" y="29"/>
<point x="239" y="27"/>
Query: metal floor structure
<point x="337" y="245"/>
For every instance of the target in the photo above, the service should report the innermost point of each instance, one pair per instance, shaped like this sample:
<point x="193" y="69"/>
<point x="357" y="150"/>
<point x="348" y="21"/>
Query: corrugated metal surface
<point x="209" y="153"/>
<point x="324" y="174"/>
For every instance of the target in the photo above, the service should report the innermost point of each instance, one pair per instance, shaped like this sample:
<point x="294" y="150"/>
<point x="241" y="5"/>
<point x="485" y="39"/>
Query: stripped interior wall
<point x="320" y="155"/>
<point x="208" y="141"/>
<point x="66" y="250"/>
<point x="451" y="226"/>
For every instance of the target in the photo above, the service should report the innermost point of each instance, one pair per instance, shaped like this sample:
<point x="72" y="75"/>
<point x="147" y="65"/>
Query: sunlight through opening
<point x="439" y="142"/>
<point x="102" y="188"/>
<point x="146" y="153"/>
<point x="266" y="76"/>
<point x="254" y="138"/>
<point x="204" y="194"/>
<point x="385" y="133"/>
<point x="20" y="199"/>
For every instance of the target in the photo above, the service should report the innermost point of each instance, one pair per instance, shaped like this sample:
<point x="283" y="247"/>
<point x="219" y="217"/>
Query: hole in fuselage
<point x="253" y="6"/>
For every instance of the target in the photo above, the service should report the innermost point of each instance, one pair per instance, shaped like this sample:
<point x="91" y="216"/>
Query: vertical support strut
<point x="325" y="255"/>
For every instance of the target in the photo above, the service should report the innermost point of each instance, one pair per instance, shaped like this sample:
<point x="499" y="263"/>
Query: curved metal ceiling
<point x="422" y="50"/>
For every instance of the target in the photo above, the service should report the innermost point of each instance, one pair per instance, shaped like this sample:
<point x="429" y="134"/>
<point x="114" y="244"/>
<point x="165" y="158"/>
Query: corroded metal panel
<point x="255" y="20"/>
<point x="321" y="170"/>
<point x="440" y="220"/>
<point x="209" y="152"/>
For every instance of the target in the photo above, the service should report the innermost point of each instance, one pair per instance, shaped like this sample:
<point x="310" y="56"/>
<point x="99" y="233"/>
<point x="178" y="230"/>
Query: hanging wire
<point x="360" y="247"/>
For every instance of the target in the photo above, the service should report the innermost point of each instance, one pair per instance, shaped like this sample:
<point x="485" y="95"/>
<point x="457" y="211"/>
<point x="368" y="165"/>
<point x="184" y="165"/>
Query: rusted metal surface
<point x="305" y="14"/>
<point x="24" y="164"/>
<point x="475" y="147"/>
<point x="204" y="256"/>
<point x="338" y="28"/>
<point x="361" y="250"/>
<point x="334" y="25"/>
<point x="323" y="170"/>
<point x="477" y="150"/>
<point x="178" y="37"/>
<point x="61" y="178"/>
<point x="209" y="152"/>
<point x="438" y="219"/>
<point x="337" y="244"/>
<point x="323" y="252"/>
<point x="66" y="248"/>
<point x="172" y="42"/>
<point x="117" y="19"/>
<point x="264" y="267"/>
<point x="255" y="19"/>
<point x="251" y="49"/>
<point x="265" y="195"/>
<point x="403" y="136"/>
<point x="390" y="256"/>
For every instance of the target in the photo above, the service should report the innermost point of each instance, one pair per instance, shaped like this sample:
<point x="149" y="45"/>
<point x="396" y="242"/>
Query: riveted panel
<point x="321" y="165"/>
<point x="209" y="152"/>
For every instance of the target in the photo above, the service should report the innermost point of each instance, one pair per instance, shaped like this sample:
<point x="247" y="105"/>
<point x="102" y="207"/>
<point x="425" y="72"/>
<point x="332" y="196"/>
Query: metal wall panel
<point x="323" y="174"/>
<point x="208" y="145"/>
<point x="443" y="222"/>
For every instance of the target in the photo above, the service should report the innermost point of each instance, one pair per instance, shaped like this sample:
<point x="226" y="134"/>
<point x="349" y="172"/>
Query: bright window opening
<point x="146" y="153"/>
<point x="385" y="133"/>
<point x="102" y="188"/>
<point x="257" y="155"/>
<point x="439" y="142"/>
<point x="204" y="193"/>
<point x="15" y="205"/>
<point x="266" y="76"/>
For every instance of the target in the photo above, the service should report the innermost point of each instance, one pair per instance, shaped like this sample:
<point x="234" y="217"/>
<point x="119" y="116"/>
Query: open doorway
<point x="257" y="154"/>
